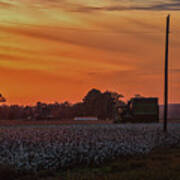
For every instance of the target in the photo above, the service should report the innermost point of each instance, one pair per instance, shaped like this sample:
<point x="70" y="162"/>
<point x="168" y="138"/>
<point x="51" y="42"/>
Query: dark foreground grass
<point x="161" y="164"/>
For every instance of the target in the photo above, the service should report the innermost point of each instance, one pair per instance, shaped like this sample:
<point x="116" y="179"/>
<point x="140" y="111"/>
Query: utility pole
<point x="166" y="74"/>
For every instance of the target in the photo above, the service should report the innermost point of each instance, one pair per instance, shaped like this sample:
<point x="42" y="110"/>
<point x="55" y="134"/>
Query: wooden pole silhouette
<point x="166" y="75"/>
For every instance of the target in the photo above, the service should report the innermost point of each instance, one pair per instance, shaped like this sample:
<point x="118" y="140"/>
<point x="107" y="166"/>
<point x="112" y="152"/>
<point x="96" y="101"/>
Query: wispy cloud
<point x="109" y="5"/>
<point x="5" y="5"/>
<point x="162" y="6"/>
<point x="95" y="40"/>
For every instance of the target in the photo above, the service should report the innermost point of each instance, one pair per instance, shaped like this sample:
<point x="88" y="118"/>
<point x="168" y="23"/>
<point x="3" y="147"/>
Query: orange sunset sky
<point x="57" y="50"/>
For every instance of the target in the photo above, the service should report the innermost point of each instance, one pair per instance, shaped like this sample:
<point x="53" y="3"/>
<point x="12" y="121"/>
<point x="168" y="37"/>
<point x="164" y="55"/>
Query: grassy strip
<point x="161" y="164"/>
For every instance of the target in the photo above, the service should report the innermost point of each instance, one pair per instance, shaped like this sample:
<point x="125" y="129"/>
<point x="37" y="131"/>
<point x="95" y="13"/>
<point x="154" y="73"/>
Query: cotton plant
<point x="55" y="147"/>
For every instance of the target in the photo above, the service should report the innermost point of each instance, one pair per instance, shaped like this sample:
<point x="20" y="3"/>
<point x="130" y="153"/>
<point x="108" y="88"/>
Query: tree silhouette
<point x="103" y="105"/>
<point x="2" y="99"/>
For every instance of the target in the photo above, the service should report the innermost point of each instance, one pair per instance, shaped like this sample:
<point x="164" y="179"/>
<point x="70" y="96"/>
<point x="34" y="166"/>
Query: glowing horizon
<point x="58" y="50"/>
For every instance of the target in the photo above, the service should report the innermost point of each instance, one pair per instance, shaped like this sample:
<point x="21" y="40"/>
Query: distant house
<point x="85" y="118"/>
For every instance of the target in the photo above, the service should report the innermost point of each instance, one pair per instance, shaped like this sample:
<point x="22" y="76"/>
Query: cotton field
<point x="56" y="147"/>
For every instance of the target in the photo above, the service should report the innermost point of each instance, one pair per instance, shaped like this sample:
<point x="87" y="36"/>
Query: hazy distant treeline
<point x="95" y="103"/>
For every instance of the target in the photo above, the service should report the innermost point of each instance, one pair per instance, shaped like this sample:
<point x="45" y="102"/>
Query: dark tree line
<point x="103" y="105"/>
